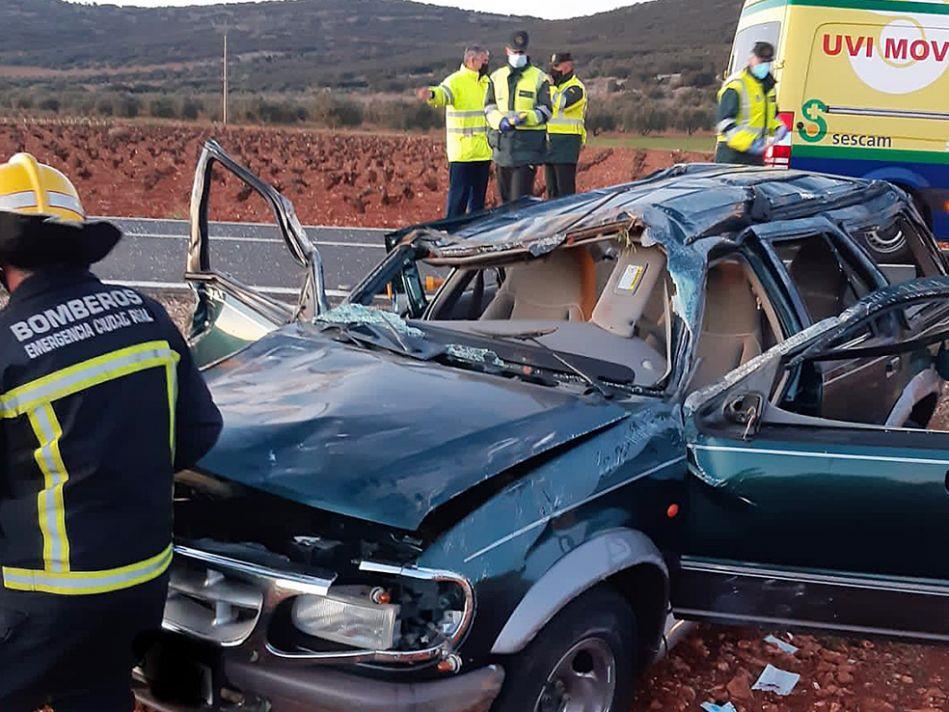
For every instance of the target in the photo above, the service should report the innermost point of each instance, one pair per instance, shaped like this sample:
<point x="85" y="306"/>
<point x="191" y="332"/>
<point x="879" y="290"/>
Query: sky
<point x="551" y="9"/>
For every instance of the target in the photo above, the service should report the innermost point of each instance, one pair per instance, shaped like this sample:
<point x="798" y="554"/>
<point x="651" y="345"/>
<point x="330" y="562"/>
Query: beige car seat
<point x="816" y="272"/>
<point x="731" y="327"/>
<point x="559" y="287"/>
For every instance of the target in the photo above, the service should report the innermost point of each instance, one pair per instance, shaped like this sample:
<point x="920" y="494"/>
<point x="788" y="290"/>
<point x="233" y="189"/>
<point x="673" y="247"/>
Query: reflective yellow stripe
<point x="457" y="114"/>
<point x="49" y="501"/>
<point x="171" y="383"/>
<point x="84" y="375"/>
<point x="78" y="583"/>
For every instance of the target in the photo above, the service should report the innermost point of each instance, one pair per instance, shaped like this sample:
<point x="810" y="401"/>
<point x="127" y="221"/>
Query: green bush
<point x="191" y="108"/>
<point x="162" y="107"/>
<point x="128" y="106"/>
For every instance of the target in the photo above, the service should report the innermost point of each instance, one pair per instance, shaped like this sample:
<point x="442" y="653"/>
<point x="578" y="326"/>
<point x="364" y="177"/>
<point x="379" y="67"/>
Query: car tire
<point x="588" y="648"/>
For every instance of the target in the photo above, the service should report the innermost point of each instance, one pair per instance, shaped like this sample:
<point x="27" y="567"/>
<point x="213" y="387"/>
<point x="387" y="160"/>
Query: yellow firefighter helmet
<point x="33" y="188"/>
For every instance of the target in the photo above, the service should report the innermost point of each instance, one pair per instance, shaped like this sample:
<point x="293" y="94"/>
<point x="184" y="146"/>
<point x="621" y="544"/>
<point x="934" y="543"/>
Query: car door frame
<point x="723" y="589"/>
<point x="882" y="369"/>
<point x="249" y="313"/>
<point x="198" y="267"/>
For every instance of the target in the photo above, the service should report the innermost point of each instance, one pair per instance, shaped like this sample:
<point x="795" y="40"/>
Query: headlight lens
<point x="347" y="616"/>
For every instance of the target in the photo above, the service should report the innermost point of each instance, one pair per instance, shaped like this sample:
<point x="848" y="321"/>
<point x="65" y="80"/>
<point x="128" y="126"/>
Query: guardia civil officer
<point x="747" y="111"/>
<point x="517" y="106"/>
<point x="100" y="403"/>
<point x="566" y="129"/>
<point x="469" y="156"/>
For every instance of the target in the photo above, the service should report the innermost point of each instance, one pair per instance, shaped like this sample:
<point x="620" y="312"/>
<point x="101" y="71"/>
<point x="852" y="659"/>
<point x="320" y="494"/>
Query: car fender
<point x="582" y="568"/>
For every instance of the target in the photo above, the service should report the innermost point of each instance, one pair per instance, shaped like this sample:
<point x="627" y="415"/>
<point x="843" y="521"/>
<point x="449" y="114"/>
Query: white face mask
<point x="517" y="60"/>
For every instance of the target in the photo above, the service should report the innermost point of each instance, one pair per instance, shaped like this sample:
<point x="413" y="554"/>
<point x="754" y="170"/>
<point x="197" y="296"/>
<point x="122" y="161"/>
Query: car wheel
<point x="582" y="661"/>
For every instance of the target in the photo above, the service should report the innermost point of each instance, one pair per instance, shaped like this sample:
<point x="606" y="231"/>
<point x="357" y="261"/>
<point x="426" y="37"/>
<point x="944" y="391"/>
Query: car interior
<point x="611" y="302"/>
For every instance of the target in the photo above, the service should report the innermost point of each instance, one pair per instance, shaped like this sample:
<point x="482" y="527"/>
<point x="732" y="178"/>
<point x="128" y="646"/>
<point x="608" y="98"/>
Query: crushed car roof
<point x="696" y="200"/>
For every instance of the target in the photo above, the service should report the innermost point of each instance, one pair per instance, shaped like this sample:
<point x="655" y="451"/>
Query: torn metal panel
<point x="357" y="432"/>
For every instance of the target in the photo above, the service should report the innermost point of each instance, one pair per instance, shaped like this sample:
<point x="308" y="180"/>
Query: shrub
<point x="162" y="107"/>
<point x="128" y="106"/>
<point x="191" y="108"/>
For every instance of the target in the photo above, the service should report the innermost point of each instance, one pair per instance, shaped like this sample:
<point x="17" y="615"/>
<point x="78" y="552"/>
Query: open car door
<point x="802" y="521"/>
<point x="228" y="313"/>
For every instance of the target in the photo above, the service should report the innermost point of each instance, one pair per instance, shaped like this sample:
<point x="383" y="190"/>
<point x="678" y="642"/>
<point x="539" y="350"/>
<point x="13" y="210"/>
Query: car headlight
<point x="347" y="615"/>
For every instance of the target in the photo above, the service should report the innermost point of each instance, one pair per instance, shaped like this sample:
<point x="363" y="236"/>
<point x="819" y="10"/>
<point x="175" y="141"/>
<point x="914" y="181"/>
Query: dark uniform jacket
<point x="100" y="404"/>
<point x="523" y="146"/>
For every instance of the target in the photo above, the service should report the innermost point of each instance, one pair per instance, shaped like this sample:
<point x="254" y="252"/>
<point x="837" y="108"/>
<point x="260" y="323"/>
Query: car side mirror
<point x="745" y="409"/>
<point x="942" y="362"/>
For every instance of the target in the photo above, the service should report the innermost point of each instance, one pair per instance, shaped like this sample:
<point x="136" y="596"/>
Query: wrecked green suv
<point x="703" y="393"/>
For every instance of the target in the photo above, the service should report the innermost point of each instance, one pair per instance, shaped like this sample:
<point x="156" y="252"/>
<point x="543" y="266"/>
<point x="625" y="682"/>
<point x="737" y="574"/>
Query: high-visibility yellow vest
<point x="523" y="102"/>
<point x="569" y="120"/>
<point x="462" y="95"/>
<point x="757" y="112"/>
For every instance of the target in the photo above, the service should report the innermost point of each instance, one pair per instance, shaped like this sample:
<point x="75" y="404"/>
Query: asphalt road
<point x="152" y="255"/>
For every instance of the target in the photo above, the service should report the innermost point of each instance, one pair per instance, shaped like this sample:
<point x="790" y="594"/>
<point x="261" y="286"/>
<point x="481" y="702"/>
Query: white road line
<point x="228" y="238"/>
<point x="139" y="284"/>
<point x="239" y="224"/>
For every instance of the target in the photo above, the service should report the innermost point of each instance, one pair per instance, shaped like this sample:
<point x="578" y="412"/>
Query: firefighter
<point x="469" y="156"/>
<point x="566" y="132"/>
<point x="100" y="403"/>
<point x="747" y="111"/>
<point x="517" y="106"/>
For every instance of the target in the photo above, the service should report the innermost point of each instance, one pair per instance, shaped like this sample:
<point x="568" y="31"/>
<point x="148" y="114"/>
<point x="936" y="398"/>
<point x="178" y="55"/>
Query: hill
<point x="375" y="45"/>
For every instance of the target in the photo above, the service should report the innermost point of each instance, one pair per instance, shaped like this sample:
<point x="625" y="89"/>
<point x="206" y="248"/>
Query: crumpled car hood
<point x="376" y="436"/>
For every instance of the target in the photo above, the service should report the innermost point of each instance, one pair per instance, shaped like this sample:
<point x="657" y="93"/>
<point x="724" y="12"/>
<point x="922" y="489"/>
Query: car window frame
<point x="845" y="247"/>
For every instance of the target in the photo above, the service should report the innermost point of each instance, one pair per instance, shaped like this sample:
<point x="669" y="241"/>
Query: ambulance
<point x="863" y="87"/>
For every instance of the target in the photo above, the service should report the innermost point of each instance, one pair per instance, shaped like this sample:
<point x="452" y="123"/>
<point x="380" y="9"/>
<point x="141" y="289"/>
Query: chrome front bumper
<point x="295" y="689"/>
<point x="225" y="605"/>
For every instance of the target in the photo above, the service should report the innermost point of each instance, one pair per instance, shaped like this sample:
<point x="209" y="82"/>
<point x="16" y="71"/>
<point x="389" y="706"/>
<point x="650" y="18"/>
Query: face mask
<point x="484" y="71"/>
<point x="760" y="71"/>
<point x="555" y="75"/>
<point x="517" y="60"/>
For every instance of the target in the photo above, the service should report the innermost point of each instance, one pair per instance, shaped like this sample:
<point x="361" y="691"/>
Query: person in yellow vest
<point x="469" y="156"/>
<point x="566" y="132"/>
<point x="747" y="111"/>
<point x="517" y="106"/>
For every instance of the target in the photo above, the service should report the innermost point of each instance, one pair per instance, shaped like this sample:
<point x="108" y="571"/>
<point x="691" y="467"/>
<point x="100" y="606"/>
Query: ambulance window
<point x="746" y="38"/>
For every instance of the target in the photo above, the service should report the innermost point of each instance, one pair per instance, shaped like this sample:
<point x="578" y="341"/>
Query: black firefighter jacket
<point x="100" y="403"/>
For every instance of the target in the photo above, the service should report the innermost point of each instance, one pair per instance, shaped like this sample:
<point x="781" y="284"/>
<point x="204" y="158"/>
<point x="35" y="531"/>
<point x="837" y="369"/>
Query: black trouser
<point x="561" y="179"/>
<point x="516" y="182"/>
<point x="467" y="185"/>
<point x="726" y="154"/>
<point x="75" y="653"/>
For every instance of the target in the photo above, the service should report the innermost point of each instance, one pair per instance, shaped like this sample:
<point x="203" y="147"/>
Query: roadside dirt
<point x="333" y="178"/>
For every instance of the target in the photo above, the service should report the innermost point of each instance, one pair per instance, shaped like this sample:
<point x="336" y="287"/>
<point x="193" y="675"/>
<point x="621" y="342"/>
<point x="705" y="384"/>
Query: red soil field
<point x="333" y="178"/>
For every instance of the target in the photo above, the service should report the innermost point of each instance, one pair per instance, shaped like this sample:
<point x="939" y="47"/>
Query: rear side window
<point x="900" y="250"/>
<point x="745" y="39"/>
<point x="826" y="281"/>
